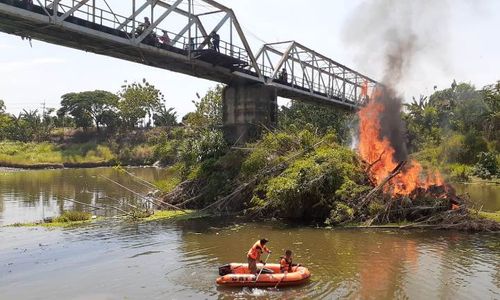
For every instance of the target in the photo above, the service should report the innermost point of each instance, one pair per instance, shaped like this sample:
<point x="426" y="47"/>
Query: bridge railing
<point x="131" y="28"/>
<point x="107" y="18"/>
<point x="225" y="48"/>
<point x="307" y="71"/>
<point x="312" y="73"/>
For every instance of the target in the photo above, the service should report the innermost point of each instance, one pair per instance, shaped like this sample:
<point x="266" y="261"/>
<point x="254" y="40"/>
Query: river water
<point x="116" y="259"/>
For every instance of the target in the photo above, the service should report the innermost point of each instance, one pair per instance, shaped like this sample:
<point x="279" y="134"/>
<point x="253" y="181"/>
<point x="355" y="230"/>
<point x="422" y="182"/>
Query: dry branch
<point x="379" y="187"/>
<point x="97" y="207"/>
<point x="142" y="196"/>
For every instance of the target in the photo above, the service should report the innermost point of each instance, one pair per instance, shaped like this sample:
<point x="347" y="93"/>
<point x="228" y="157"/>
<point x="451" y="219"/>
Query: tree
<point x="90" y="108"/>
<point x="208" y="111"/>
<point x="2" y="106"/>
<point x="6" y="124"/>
<point x="491" y="125"/>
<point x="29" y="126"/>
<point x="321" y="118"/>
<point x="422" y="121"/>
<point x="138" y="101"/>
<point x="446" y="102"/>
<point x="165" y="117"/>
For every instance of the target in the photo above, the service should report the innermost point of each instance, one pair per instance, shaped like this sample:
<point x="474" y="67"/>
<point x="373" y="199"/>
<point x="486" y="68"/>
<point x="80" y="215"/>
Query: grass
<point x="170" y="214"/>
<point x="52" y="224"/>
<point x="171" y="179"/>
<point x="73" y="216"/>
<point x="29" y="154"/>
<point x="493" y="216"/>
<point x="67" y="219"/>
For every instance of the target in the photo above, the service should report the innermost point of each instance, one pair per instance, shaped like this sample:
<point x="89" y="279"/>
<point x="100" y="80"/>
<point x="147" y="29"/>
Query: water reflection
<point x="32" y="195"/>
<point x="165" y="260"/>
<point x="485" y="196"/>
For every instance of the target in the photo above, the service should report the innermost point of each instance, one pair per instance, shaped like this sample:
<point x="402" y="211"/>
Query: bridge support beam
<point x="248" y="109"/>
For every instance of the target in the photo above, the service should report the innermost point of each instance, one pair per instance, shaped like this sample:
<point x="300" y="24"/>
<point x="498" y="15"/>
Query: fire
<point x="379" y="154"/>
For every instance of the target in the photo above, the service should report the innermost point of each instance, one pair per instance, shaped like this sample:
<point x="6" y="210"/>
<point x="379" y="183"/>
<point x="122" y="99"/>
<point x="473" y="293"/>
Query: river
<point x="115" y="259"/>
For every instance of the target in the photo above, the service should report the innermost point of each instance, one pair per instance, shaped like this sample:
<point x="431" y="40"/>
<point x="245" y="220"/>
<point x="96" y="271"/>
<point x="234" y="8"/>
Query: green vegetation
<point x="91" y="128"/>
<point x="457" y="130"/>
<point x="289" y="173"/>
<point x="304" y="169"/>
<point x="76" y="218"/>
<point x="494" y="216"/>
<point x="67" y="219"/>
<point x="73" y="216"/>
<point x="31" y="154"/>
<point x="170" y="214"/>
<point x="88" y="108"/>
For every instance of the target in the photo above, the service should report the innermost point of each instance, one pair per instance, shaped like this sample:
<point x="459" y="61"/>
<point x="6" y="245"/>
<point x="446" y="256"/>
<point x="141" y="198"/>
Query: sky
<point x="468" y="52"/>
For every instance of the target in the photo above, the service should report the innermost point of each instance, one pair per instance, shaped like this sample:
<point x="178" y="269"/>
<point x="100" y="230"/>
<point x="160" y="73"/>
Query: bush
<point x="202" y="145"/>
<point x="459" y="172"/>
<point x="256" y="161"/>
<point x="339" y="214"/>
<point x="73" y="216"/>
<point x="166" y="152"/>
<point x="310" y="184"/>
<point x="375" y="207"/>
<point x="173" y="177"/>
<point x="487" y="165"/>
<point x="463" y="149"/>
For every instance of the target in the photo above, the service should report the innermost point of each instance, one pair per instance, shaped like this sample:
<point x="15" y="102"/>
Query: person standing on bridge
<point x="142" y="27"/>
<point x="165" y="39"/>
<point x="147" y="23"/>
<point x="284" y="75"/>
<point x="216" y="41"/>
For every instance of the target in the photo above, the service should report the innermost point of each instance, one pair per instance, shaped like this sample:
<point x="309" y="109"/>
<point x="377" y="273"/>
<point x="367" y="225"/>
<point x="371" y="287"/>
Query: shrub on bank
<point x="487" y="165"/>
<point x="459" y="172"/>
<point x="73" y="216"/>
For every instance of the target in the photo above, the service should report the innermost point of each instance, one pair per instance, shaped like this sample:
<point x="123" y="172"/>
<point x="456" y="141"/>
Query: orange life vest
<point x="285" y="264"/>
<point x="256" y="250"/>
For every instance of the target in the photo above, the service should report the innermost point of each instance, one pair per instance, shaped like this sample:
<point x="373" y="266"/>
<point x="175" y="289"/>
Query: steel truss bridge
<point x="178" y="38"/>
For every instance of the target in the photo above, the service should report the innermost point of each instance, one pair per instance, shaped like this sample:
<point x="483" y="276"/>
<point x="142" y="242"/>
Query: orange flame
<point x="379" y="154"/>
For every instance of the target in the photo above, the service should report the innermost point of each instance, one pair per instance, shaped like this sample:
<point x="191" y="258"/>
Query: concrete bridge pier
<point x="248" y="109"/>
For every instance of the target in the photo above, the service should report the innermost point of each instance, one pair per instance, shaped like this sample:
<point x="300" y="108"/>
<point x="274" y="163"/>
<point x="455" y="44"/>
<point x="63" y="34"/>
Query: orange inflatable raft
<point x="238" y="275"/>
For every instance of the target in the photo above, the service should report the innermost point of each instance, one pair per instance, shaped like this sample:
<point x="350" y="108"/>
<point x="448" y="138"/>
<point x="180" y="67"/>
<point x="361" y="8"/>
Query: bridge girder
<point x="313" y="71"/>
<point x="311" y="76"/>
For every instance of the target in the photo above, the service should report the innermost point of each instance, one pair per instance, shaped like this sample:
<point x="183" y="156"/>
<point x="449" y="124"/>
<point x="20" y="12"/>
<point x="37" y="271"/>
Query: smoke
<point x="390" y="38"/>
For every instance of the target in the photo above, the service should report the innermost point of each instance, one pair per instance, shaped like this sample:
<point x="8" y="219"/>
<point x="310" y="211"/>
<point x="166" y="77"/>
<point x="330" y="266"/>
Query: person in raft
<point x="286" y="262"/>
<point x="254" y="254"/>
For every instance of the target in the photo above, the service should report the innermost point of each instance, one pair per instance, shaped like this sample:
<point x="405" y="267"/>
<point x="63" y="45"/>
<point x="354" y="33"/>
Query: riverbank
<point x="48" y="155"/>
<point x="74" y="218"/>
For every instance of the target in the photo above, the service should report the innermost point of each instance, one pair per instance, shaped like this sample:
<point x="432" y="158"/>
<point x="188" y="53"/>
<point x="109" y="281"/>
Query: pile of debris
<point x="436" y="206"/>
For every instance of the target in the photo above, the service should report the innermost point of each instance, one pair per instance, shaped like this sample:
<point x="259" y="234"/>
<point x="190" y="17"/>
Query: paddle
<point x="276" y="286"/>
<point x="261" y="269"/>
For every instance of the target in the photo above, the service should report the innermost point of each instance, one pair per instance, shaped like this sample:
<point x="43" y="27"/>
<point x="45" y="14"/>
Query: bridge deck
<point x="230" y="64"/>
